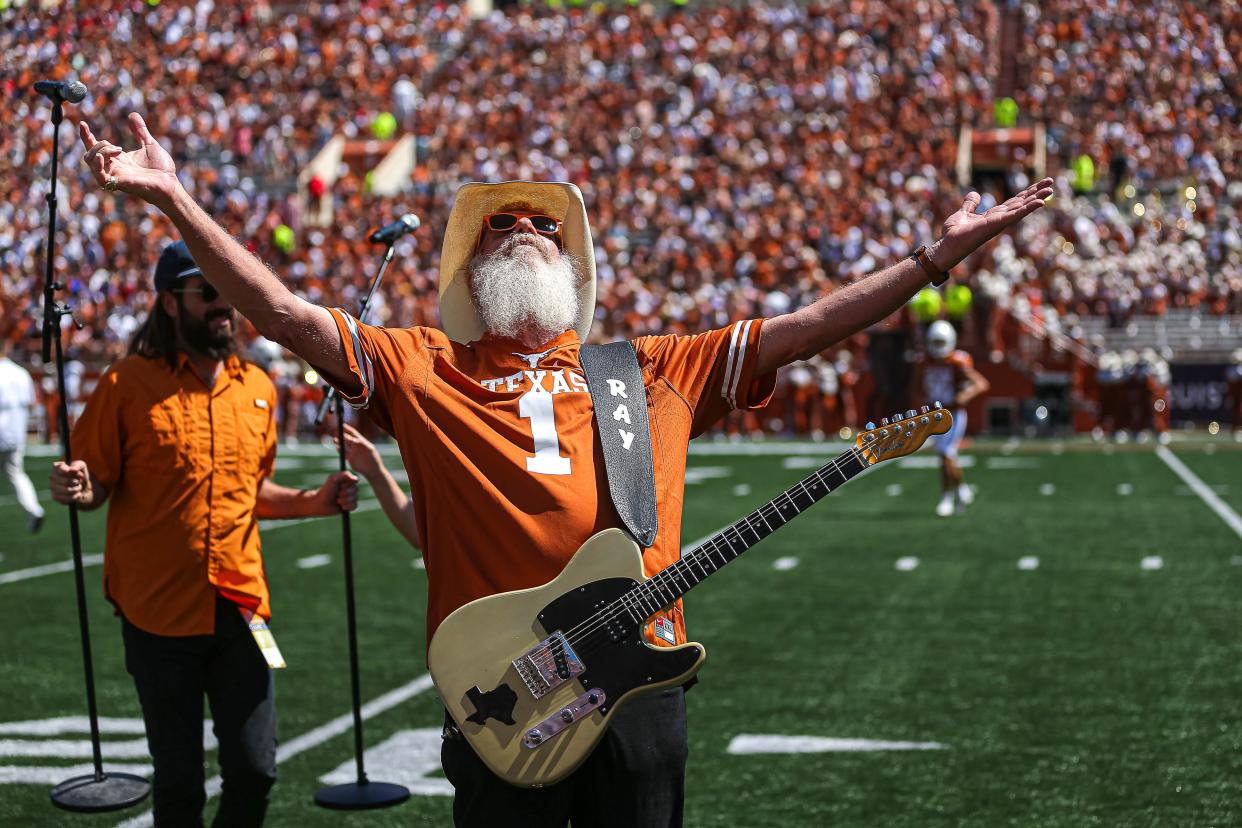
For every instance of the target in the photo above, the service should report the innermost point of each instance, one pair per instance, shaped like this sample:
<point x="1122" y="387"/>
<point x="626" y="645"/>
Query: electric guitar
<point x="533" y="677"/>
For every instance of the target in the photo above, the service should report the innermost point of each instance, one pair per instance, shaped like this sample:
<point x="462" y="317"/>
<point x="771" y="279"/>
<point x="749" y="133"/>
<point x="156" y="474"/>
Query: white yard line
<point x="748" y="743"/>
<point x="1220" y="507"/>
<point x="11" y="499"/>
<point x="48" y="569"/>
<point x="265" y="526"/>
<point x="314" y="561"/>
<point x="315" y="737"/>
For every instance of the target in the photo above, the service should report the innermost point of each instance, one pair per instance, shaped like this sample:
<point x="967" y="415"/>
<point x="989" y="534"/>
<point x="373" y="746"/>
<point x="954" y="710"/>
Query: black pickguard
<point x="616" y="657"/>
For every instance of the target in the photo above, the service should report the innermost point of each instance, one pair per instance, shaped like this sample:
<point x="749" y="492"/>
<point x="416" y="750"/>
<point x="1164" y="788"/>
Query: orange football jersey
<point x="506" y="470"/>
<point x="940" y="380"/>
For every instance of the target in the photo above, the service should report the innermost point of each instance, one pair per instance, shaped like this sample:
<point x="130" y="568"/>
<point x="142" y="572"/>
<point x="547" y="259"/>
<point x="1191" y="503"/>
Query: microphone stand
<point x="362" y="794"/>
<point x="98" y="791"/>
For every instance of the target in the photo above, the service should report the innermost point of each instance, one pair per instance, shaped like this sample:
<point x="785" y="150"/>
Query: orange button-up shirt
<point x="183" y="464"/>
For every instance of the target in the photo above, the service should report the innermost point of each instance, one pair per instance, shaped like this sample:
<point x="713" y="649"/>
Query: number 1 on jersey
<point x="537" y="407"/>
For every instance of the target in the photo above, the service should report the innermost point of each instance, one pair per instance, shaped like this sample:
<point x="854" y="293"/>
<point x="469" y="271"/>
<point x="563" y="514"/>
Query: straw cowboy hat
<point x="476" y="201"/>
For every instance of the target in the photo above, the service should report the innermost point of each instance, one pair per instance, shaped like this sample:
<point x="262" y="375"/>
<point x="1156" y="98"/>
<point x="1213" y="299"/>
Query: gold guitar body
<point x="566" y="689"/>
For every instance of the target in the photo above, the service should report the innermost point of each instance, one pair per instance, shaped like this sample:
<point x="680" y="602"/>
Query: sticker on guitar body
<point x="664" y="630"/>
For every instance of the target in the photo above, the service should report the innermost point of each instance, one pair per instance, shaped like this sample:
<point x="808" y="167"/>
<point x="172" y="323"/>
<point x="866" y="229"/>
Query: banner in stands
<point x="1199" y="392"/>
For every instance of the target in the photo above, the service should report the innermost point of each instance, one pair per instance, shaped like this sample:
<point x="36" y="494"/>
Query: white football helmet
<point x="941" y="339"/>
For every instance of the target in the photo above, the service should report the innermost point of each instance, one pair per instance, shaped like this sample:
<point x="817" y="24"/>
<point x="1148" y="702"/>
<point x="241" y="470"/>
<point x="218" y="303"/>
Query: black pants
<point x="634" y="777"/>
<point x="172" y="673"/>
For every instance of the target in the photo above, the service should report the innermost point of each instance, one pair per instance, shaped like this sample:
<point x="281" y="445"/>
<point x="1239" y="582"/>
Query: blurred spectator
<point x="739" y="160"/>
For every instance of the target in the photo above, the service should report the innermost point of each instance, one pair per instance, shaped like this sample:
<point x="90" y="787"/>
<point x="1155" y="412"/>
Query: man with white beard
<point x="496" y="429"/>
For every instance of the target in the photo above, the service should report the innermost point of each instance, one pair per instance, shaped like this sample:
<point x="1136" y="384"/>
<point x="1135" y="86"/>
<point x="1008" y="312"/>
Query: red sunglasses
<point x="544" y="225"/>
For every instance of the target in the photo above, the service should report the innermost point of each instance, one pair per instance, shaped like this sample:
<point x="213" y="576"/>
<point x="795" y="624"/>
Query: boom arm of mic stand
<point x="330" y="394"/>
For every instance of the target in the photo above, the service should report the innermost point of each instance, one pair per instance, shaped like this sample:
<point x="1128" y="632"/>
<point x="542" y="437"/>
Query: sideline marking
<point x="1205" y="493"/>
<point x="315" y="737"/>
<point x="314" y="561"/>
<point x="71" y="724"/>
<point x="74" y="748"/>
<point x="94" y="560"/>
<point x="43" y="775"/>
<point x="48" y="569"/>
<point x="407" y="757"/>
<point x="697" y="474"/>
<point x="748" y="743"/>
<point x="11" y="499"/>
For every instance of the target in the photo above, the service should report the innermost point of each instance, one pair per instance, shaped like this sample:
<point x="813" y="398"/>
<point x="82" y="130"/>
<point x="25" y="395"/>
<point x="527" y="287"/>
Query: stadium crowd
<point x="738" y="160"/>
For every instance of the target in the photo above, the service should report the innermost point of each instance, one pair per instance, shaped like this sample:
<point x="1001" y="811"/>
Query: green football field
<point x="1067" y="652"/>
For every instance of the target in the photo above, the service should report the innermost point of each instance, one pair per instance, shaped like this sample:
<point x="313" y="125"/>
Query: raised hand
<point x="361" y="453"/>
<point x="147" y="172"/>
<point x="966" y="231"/>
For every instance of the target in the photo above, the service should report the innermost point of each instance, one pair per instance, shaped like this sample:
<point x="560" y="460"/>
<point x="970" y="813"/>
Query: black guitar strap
<point x="620" y="401"/>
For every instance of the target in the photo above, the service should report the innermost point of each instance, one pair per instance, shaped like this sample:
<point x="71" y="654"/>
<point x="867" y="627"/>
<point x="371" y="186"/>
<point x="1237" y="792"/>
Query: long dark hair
<point x="156" y="338"/>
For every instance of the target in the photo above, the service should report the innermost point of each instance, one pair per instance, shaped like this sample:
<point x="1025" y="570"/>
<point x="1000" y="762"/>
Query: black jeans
<point x="172" y="673"/>
<point x="635" y="777"/>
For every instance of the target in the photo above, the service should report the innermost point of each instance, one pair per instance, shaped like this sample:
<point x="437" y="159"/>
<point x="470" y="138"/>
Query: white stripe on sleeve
<point x="730" y="363"/>
<point x="364" y="362"/>
<point x="741" y="361"/>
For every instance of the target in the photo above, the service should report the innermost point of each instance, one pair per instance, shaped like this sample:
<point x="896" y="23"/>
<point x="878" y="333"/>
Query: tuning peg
<point x="897" y="417"/>
<point x="869" y="426"/>
<point x="937" y="405"/>
<point x="923" y="409"/>
<point x="884" y="421"/>
<point x="911" y="413"/>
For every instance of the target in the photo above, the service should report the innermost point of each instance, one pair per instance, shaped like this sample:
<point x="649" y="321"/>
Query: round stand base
<point x="361" y="796"/>
<point x="112" y="792"/>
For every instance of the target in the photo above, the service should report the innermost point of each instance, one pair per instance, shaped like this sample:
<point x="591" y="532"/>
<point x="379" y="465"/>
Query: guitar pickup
<point x="548" y="665"/>
<point x="563" y="718"/>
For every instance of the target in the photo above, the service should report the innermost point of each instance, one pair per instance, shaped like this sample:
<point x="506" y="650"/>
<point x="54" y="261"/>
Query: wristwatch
<point x="934" y="273"/>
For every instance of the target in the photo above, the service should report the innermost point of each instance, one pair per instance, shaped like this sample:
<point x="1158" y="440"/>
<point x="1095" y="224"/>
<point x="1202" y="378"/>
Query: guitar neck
<point x="693" y="568"/>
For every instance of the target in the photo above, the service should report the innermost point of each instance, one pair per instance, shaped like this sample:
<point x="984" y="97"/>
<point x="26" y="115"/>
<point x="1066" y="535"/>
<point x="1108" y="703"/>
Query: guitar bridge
<point x="548" y="665"/>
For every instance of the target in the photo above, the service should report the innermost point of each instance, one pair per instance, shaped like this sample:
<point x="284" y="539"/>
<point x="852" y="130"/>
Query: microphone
<point x="70" y="91"/>
<point x="391" y="232"/>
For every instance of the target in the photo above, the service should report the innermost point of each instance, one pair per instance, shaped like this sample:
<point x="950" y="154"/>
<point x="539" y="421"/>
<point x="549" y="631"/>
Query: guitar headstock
<point x="902" y="434"/>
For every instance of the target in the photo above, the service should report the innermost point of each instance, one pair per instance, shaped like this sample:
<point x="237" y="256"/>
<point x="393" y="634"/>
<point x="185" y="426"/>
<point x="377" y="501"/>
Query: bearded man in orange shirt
<point x="495" y="425"/>
<point x="180" y="438"/>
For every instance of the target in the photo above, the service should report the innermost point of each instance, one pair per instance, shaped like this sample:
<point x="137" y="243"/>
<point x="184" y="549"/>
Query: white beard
<point x="521" y="295"/>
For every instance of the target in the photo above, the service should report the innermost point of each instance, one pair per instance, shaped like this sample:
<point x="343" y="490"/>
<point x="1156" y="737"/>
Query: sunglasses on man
<point x="210" y="294"/>
<point x="544" y="225"/>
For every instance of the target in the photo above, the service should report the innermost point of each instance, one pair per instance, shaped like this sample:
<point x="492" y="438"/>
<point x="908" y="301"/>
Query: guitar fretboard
<point x="676" y="580"/>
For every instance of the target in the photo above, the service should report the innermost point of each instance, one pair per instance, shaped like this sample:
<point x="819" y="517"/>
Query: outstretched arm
<point x="802" y="333"/>
<point x="248" y="285"/>
<point x="362" y="455"/>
